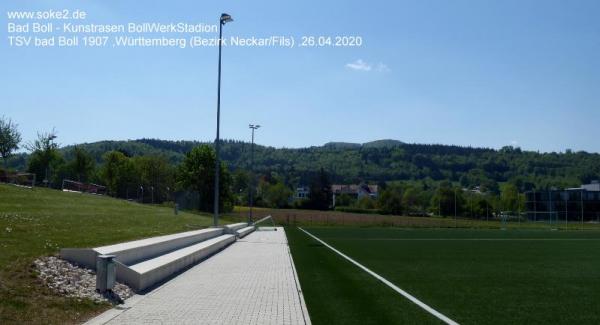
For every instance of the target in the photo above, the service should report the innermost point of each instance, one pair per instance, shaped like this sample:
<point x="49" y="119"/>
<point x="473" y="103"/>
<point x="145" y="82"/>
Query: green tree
<point x="477" y="205"/>
<point x="390" y="200"/>
<point x="10" y="137"/>
<point x="117" y="173"/>
<point x="486" y="206"/>
<point x="365" y="202"/>
<point x="197" y="173"/>
<point x="321" y="195"/>
<point x="344" y="200"/>
<point x="241" y="183"/>
<point x="510" y="197"/>
<point x="156" y="176"/>
<point x="277" y="195"/>
<point x="83" y="165"/>
<point x="490" y="186"/>
<point x="412" y="199"/>
<point x="45" y="157"/>
<point x="448" y="199"/>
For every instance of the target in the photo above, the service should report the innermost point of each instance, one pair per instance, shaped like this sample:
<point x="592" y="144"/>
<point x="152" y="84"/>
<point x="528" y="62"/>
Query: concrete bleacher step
<point x="138" y="250"/>
<point x="245" y="231"/>
<point x="144" y="263"/>
<point x="145" y="274"/>
<point x="233" y="228"/>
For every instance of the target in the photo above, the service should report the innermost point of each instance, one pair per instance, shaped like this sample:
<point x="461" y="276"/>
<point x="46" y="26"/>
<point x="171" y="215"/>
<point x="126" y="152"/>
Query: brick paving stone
<point x="253" y="281"/>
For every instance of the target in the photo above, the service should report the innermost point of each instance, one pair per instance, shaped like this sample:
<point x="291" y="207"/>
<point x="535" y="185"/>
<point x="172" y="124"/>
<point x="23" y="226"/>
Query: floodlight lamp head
<point x="225" y="18"/>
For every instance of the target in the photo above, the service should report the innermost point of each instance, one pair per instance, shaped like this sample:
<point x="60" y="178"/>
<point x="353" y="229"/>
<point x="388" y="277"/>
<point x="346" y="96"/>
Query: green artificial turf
<point x="472" y="276"/>
<point x="336" y="292"/>
<point x="38" y="222"/>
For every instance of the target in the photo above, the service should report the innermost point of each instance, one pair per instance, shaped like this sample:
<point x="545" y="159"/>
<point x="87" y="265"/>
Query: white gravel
<point x="73" y="281"/>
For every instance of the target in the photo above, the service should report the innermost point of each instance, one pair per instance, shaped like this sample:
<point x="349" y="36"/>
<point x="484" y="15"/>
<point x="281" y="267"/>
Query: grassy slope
<point x="486" y="282"/>
<point x="336" y="292"/>
<point x="39" y="222"/>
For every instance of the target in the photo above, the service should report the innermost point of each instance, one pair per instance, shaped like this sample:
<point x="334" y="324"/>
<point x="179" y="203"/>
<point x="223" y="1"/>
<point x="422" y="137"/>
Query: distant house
<point x="302" y="193"/>
<point x="355" y="191"/>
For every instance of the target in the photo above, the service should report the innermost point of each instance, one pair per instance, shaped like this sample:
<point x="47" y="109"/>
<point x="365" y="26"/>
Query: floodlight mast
<point x="225" y="18"/>
<point x="251" y="187"/>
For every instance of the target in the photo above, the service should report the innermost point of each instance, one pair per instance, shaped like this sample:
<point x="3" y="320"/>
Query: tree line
<point x="379" y="162"/>
<point x="413" y="179"/>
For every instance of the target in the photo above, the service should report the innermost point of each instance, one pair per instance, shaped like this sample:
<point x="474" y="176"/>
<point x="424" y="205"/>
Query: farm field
<point x="473" y="276"/>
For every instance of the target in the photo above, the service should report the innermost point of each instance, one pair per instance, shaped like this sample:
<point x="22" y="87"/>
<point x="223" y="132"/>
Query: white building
<point x="302" y="193"/>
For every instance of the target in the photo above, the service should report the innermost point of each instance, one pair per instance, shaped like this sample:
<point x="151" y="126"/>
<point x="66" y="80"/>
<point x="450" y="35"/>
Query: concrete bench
<point x="245" y="231"/>
<point x="132" y="252"/>
<point x="143" y="275"/>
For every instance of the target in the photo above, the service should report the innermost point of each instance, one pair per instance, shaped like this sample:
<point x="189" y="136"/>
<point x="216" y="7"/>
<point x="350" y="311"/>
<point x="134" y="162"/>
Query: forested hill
<point x="385" y="160"/>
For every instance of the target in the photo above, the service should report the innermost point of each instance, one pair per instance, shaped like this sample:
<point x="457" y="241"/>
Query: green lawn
<point x="39" y="222"/>
<point x="472" y="276"/>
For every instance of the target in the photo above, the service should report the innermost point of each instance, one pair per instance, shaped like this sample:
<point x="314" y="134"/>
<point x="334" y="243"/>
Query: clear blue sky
<point x="479" y="73"/>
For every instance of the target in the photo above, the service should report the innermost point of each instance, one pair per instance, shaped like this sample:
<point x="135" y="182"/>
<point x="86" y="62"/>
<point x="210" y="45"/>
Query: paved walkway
<point x="253" y="281"/>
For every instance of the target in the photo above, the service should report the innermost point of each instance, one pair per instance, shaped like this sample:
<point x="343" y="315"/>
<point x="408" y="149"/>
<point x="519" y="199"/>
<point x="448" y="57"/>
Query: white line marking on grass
<point x="418" y="302"/>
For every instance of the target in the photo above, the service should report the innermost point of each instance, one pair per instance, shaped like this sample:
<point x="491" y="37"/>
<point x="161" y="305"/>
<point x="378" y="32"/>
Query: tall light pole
<point x="251" y="187"/>
<point x="225" y="18"/>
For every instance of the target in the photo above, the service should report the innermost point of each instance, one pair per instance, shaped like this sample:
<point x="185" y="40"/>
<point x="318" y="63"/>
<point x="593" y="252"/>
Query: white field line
<point x="418" y="302"/>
